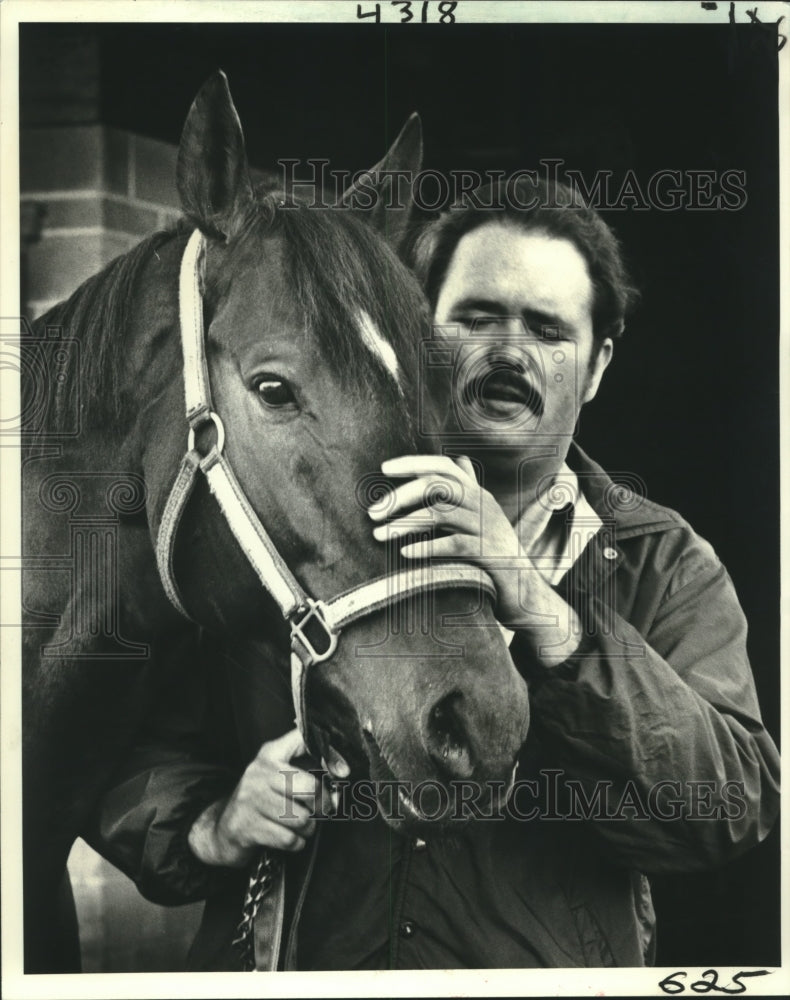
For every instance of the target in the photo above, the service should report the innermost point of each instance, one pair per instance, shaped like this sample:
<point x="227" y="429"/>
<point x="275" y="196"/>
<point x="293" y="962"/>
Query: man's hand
<point x="471" y="524"/>
<point x="272" y="806"/>
<point x="473" y="527"/>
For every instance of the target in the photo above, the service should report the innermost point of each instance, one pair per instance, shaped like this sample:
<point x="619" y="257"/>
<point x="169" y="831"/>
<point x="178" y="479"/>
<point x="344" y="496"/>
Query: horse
<point x="293" y="334"/>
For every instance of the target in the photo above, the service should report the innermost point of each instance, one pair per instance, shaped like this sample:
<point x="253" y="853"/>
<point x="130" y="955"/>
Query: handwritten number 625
<point x="708" y="981"/>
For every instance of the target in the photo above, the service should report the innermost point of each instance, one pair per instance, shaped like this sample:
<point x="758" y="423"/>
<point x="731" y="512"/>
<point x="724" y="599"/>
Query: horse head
<point x="312" y="333"/>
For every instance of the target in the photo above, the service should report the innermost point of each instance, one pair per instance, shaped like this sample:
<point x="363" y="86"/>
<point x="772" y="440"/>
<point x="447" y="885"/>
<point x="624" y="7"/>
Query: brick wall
<point x="95" y="192"/>
<point x="119" y="930"/>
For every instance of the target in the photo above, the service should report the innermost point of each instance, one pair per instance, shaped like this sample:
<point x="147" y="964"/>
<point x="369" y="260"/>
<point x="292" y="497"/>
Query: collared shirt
<point x="556" y="528"/>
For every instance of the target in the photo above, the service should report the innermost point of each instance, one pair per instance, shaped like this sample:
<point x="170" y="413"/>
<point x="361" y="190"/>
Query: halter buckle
<point x="208" y="417"/>
<point x="312" y="614"/>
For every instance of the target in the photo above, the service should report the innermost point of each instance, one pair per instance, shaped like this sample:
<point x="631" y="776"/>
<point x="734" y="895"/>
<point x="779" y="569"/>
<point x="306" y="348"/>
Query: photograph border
<point x="543" y="982"/>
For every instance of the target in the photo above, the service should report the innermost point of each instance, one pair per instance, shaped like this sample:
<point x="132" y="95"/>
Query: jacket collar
<point x="624" y="512"/>
<point x="622" y="502"/>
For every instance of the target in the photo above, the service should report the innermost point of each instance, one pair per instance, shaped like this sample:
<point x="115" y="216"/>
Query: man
<point x="646" y="750"/>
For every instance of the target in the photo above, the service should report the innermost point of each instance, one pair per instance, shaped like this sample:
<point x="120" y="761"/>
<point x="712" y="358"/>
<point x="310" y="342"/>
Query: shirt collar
<point x="557" y="528"/>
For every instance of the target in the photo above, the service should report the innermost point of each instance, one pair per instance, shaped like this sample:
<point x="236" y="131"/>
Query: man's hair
<point x="559" y="212"/>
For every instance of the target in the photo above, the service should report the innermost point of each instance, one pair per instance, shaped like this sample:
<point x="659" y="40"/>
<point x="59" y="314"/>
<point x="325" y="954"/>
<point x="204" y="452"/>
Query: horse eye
<point x="273" y="391"/>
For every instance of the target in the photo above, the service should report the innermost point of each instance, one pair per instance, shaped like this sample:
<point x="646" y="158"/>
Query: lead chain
<point x="260" y="884"/>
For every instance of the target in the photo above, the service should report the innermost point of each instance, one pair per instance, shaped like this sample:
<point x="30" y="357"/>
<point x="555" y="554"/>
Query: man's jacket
<point x="646" y="754"/>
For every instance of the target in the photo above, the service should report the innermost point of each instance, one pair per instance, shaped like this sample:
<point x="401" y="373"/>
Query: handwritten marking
<point x="440" y="12"/>
<point x="709" y="981"/>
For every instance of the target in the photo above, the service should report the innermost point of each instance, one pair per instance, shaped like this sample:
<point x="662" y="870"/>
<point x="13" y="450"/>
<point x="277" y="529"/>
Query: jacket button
<point x="407" y="929"/>
<point x="609" y="552"/>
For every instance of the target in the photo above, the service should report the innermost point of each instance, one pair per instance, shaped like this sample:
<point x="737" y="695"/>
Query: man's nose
<point x="517" y="355"/>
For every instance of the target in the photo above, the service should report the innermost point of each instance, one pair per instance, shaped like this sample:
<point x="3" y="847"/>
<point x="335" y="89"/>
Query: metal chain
<point x="260" y="883"/>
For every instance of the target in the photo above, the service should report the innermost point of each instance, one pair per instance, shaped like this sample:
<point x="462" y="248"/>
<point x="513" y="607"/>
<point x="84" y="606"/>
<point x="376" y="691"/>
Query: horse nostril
<point x="446" y="736"/>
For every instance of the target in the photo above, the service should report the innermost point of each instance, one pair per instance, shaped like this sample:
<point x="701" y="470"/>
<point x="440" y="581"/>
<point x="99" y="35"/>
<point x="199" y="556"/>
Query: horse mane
<point x="97" y="316"/>
<point x="367" y="276"/>
<point x="339" y="267"/>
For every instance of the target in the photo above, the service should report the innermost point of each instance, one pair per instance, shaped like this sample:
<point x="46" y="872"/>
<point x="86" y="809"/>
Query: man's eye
<point x="545" y="331"/>
<point x="274" y="391"/>
<point x="485" y="322"/>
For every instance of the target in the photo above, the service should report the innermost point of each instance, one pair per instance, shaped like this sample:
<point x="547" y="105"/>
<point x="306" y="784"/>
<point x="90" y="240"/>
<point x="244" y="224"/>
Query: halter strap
<point x="197" y="391"/>
<point x="367" y="598"/>
<point x="305" y="615"/>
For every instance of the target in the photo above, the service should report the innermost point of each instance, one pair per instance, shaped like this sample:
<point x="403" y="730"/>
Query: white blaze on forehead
<point x="377" y="345"/>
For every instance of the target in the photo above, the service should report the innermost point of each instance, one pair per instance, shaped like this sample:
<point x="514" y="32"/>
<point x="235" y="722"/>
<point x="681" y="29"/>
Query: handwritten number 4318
<point x="443" y="12"/>
<point x="709" y="982"/>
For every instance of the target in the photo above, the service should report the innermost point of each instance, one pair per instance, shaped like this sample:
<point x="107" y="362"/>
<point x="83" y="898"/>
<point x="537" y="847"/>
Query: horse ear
<point x="212" y="174"/>
<point x="377" y="193"/>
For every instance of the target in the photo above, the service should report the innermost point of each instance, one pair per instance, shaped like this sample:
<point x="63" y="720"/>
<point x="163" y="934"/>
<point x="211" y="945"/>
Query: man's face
<point x="518" y="307"/>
